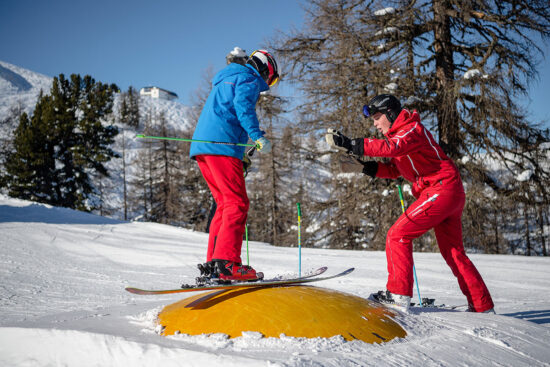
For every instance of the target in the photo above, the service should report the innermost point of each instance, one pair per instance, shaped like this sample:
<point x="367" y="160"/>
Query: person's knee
<point x="241" y="205"/>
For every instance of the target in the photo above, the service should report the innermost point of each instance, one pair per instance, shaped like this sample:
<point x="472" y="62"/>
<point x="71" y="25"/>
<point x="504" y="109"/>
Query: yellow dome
<point x="298" y="311"/>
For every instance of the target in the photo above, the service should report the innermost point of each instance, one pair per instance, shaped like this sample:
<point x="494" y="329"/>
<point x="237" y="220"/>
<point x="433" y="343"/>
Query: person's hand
<point x="263" y="145"/>
<point x="335" y="139"/>
<point x="350" y="164"/>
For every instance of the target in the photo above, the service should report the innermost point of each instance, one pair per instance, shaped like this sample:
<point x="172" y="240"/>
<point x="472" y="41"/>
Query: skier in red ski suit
<point x="437" y="186"/>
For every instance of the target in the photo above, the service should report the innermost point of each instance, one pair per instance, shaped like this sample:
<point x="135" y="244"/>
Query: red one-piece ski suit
<point x="438" y="189"/>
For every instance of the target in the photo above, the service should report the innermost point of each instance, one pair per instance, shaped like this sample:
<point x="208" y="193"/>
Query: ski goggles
<point x="273" y="80"/>
<point x="369" y="111"/>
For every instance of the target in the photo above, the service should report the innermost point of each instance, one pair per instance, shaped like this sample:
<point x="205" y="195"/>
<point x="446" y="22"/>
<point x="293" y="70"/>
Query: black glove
<point x="370" y="168"/>
<point x="349" y="164"/>
<point x="341" y="142"/>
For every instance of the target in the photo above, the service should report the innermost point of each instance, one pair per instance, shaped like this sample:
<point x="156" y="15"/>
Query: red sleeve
<point x="387" y="170"/>
<point x="402" y="143"/>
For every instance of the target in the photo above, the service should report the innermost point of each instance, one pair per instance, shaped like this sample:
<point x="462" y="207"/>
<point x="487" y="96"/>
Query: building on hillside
<point x="156" y="92"/>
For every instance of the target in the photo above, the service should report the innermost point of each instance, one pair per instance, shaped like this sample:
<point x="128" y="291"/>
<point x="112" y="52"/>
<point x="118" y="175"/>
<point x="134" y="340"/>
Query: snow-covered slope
<point x="62" y="301"/>
<point x="20" y="86"/>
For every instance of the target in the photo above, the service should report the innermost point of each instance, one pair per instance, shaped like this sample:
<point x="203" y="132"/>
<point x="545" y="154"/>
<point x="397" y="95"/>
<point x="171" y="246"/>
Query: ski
<point x="427" y="303"/>
<point x="430" y="303"/>
<point x="192" y="288"/>
<point x="313" y="277"/>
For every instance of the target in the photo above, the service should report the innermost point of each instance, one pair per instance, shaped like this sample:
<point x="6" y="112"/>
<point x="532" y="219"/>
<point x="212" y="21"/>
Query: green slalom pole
<point x="299" y="240"/>
<point x="414" y="269"/>
<point x="141" y="136"/>
<point x="246" y="234"/>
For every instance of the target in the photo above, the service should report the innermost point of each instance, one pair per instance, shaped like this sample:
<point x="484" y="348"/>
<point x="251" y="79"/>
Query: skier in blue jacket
<point x="229" y="115"/>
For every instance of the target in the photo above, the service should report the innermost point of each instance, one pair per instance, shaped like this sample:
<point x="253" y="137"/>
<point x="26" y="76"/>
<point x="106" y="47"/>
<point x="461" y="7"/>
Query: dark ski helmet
<point x="266" y="65"/>
<point x="384" y="103"/>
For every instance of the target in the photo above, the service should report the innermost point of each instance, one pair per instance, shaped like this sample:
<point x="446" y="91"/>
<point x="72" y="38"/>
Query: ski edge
<point x="427" y="304"/>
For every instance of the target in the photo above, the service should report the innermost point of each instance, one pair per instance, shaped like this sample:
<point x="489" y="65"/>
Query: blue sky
<point x="167" y="43"/>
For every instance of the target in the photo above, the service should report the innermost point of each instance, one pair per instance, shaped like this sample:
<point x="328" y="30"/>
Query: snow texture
<point x="384" y="11"/>
<point x="391" y="87"/>
<point x="63" y="303"/>
<point x="387" y="30"/>
<point x="472" y="73"/>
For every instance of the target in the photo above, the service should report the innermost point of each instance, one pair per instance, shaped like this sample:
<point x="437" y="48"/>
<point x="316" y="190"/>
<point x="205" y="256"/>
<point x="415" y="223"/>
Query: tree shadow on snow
<point x="538" y="317"/>
<point x="52" y="215"/>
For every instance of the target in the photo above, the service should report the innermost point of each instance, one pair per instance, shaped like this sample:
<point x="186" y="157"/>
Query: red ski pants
<point x="224" y="176"/>
<point x="441" y="210"/>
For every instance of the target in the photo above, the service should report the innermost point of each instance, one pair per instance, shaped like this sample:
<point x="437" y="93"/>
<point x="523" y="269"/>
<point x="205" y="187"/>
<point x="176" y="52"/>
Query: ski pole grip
<point x="250" y="152"/>
<point x="299" y="210"/>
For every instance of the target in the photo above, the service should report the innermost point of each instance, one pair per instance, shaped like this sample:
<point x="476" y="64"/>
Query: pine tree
<point x="140" y="197"/>
<point x="129" y="108"/>
<point x="7" y="137"/>
<point x="65" y="143"/>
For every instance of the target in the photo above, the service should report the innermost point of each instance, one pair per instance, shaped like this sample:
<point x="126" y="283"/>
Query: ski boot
<point x="226" y="271"/>
<point x="471" y="308"/>
<point x="386" y="297"/>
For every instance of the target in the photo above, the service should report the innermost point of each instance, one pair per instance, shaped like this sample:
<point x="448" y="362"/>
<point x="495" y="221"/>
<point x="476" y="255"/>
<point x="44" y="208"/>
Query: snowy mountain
<point x="19" y="86"/>
<point x="62" y="301"/>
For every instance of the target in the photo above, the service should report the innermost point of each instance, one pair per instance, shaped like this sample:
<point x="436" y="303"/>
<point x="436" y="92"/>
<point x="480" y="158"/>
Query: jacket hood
<point x="405" y="117"/>
<point x="236" y="69"/>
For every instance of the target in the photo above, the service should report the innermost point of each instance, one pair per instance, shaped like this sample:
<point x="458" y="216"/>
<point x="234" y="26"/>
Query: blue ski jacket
<point x="229" y="114"/>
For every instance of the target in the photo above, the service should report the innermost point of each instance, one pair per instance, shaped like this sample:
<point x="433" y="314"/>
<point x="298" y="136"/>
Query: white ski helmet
<point x="237" y="56"/>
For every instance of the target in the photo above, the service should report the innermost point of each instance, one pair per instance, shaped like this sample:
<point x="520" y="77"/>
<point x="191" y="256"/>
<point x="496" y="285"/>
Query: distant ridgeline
<point x="15" y="79"/>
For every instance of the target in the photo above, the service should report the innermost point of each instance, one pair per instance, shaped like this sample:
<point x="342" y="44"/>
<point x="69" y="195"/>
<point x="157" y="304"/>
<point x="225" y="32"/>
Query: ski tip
<point x="134" y="290"/>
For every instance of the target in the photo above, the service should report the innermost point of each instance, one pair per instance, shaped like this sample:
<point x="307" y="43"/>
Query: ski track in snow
<point x="62" y="301"/>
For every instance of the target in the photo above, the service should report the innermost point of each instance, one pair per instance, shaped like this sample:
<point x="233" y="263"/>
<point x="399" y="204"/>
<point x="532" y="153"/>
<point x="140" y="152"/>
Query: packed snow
<point x="63" y="303"/>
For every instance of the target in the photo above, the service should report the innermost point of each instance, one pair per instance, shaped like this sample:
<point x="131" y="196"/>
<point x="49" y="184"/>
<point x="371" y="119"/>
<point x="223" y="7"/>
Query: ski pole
<point x="414" y="268"/>
<point x="141" y="136"/>
<point x="299" y="239"/>
<point x="249" y="153"/>
<point x="247" y="254"/>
